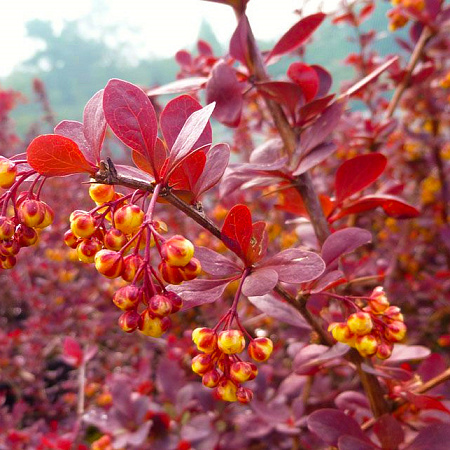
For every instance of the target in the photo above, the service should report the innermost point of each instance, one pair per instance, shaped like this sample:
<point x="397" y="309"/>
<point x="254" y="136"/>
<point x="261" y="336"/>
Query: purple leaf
<point x="260" y="282"/>
<point x="327" y="280"/>
<point x="372" y="76"/>
<point x="200" y="292"/>
<point x="402" y="353"/>
<point x="315" y="157"/>
<point x="295" y="36"/>
<point x="347" y="442"/>
<point x="279" y="310"/>
<point x="267" y="152"/>
<point x="224" y="89"/>
<point x="325" y="80"/>
<point x="179" y="86"/>
<point x="133" y="172"/>
<point x="344" y="241"/>
<point x="74" y="130"/>
<point x="321" y="128"/>
<point x="314" y="355"/>
<point x="296" y="266"/>
<point x="216" y="264"/>
<point x="189" y="135"/>
<point x="131" y="116"/>
<point x="175" y="115"/>
<point x="94" y="125"/>
<point x="389" y="431"/>
<point x="331" y="424"/>
<point x="239" y="42"/>
<point x="436" y="437"/>
<point x="216" y="162"/>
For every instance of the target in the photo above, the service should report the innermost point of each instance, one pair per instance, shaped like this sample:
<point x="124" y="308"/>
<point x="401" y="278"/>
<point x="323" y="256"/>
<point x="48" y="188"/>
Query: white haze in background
<point x="155" y="27"/>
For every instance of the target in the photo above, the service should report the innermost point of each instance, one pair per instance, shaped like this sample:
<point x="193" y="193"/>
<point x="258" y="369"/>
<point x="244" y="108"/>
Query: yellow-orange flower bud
<point x="231" y="341"/>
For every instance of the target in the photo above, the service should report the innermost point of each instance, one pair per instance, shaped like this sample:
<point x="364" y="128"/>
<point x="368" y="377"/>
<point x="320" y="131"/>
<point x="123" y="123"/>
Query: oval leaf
<point x="357" y="173"/>
<point x="52" y="155"/>
<point x="131" y="116"/>
<point x="295" y="36"/>
<point x="260" y="282"/>
<point x="94" y="125"/>
<point x="306" y="77"/>
<point x="237" y="230"/>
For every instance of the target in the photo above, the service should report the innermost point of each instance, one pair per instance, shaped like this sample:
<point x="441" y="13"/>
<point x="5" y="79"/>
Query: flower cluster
<point x="115" y="249"/>
<point x="374" y="329"/>
<point x="29" y="214"/>
<point x="399" y="16"/>
<point x="220" y="366"/>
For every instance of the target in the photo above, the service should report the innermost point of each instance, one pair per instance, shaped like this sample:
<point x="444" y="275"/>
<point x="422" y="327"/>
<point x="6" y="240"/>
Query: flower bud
<point x="395" y="331"/>
<point x="7" y="262"/>
<point x="30" y="213"/>
<point x="205" y="339"/>
<point x="231" y="341"/>
<point x="170" y="274"/>
<point x="131" y="265"/>
<point x="82" y="225"/>
<point x="211" y="379"/>
<point x="384" y="350"/>
<point x="226" y="390"/>
<point x="191" y="270"/>
<point x="177" y="251"/>
<point x="114" y="239"/>
<point x="7" y="228"/>
<point x="128" y="218"/>
<point x="160" y="305"/>
<point x="340" y="331"/>
<point x="26" y="236"/>
<point x="153" y="326"/>
<point x="127" y="297"/>
<point x="49" y="216"/>
<point x="240" y="372"/>
<point x="394" y="313"/>
<point x="360" y="323"/>
<point x="202" y="364"/>
<point x="260" y="349"/>
<point x="109" y="263"/>
<point x="87" y="249"/>
<point x="101" y="193"/>
<point x="129" y="321"/>
<point x="70" y="239"/>
<point x="8" y="172"/>
<point x="367" y="345"/>
<point x="9" y="248"/>
<point x="378" y="301"/>
<point x="177" y="301"/>
<point x="244" y="395"/>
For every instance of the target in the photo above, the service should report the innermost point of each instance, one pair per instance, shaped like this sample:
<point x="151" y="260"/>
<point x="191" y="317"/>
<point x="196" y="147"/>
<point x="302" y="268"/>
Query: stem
<point x="151" y="206"/>
<point x="430" y="384"/>
<point x="417" y="53"/>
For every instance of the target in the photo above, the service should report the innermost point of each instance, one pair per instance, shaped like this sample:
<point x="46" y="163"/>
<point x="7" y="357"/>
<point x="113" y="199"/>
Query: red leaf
<point x="258" y="243"/>
<point x="260" y="282"/>
<point x="175" y="115"/>
<point x="185" y="175"/>
<point x="283" y="92"/>
<point x="72" y="352"/>
<point x="239" y="42"/>
<point x="389" y="431"/>
<point x="372" y="76"/>
<point x="52" y="155"/>
<point x="325" y="80"/>
<point x="435" y="436"/>
<point x="94" y="125"/>
<point x="295" y="36"/>
<point x="357" y="173"/>
<point x="392" y="206"/>
<point x="366" y="12"/>
<point x="314" y="108"/>
<point x="183" y="58"/>
<point x="74" y="130"/>
<point x="215" y="165"/>
<point x="204" y="48"/>
<point x="188" y="136"/>
<point x="224" y="89"/>
<point x="160" y="155"/>
<point x="131" y="116"/>
<point x="237" y="230"/>
<point x="306" y="77"/>
<point x="179" y="86"/>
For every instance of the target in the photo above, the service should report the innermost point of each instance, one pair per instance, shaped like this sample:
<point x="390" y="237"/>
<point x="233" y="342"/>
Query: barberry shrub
<point x="316" y="316"/>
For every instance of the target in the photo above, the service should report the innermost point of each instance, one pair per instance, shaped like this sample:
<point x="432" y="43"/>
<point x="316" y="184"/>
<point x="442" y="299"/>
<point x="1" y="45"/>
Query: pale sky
<point x="165" y="26"/>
